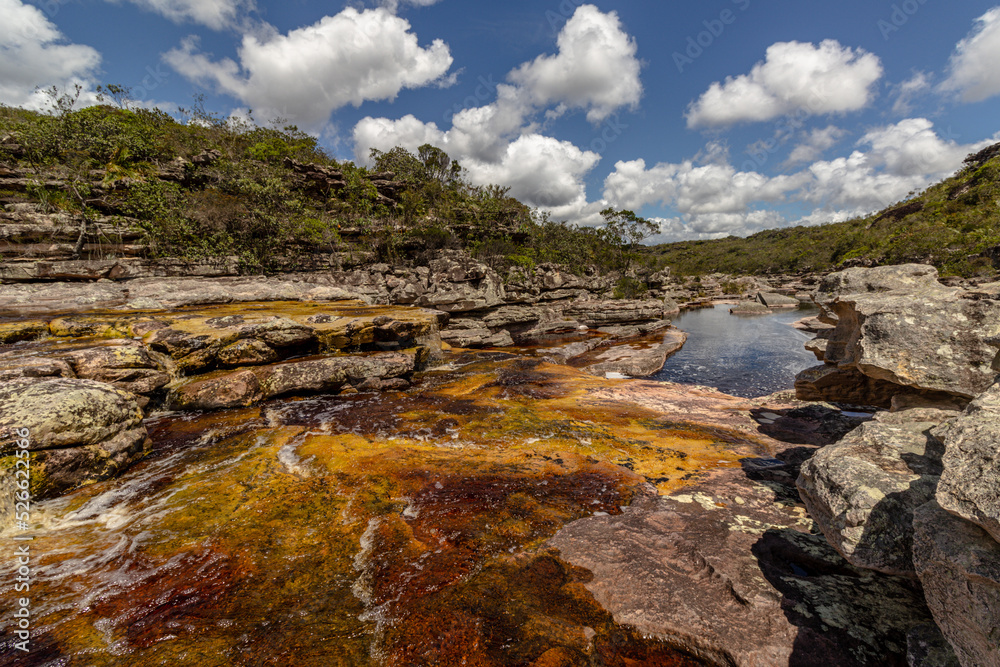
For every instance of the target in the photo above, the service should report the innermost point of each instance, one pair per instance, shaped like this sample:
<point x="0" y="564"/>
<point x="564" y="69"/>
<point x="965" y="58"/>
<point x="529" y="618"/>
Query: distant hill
<point x="954" y="225"/>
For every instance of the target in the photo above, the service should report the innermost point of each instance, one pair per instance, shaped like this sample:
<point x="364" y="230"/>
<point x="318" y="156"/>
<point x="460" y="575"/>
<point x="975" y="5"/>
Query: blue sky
<point x="713" y="118"/>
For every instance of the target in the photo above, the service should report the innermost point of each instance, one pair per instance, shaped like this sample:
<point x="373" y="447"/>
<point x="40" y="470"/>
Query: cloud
<point x="385" y="134"/>
<point x="887" y="164"/>
<point x="595" y="68"/>
<point x="216" y="14"/>
<point x="33" y="53"/>
<point x="817" y="142"/>
<point x="794" y="77"/>
<point x="541" y="171"/>
<point x="349" y="58"/>
<point x="916" y="85"/>
<point x="973" y="71"/>
<point x="393" y="5"/>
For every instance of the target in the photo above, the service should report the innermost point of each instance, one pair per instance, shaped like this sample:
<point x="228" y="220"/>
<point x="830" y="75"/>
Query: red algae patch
<point x="375" y="529"/>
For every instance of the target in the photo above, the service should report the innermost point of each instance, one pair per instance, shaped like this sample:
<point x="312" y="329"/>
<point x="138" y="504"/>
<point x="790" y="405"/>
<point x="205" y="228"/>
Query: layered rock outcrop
<point x="915" y="491"/>
<point x="79" y="431"/>
<point x="79" y="382"/>
<point x="863" y="490"/>
<point x="899" y="325"/>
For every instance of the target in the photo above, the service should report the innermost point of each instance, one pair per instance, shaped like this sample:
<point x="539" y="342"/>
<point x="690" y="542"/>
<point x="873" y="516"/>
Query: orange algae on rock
<point x="390" y="529"/>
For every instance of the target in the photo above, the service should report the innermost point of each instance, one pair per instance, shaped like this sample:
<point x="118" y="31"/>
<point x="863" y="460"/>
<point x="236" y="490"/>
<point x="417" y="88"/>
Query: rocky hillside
<point x="138" y="189"/>
<point x="954" y="225"/>
<point x="914" y="491"/>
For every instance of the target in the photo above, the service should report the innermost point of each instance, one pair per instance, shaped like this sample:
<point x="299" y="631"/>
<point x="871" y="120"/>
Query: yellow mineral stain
<point x="393" y="529"/>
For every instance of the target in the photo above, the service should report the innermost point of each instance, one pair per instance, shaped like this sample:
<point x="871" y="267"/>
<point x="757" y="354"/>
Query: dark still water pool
<point x="742" y="355"/>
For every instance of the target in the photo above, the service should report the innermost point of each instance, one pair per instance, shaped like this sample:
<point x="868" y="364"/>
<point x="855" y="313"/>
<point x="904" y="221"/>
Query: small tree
<point x="624" y="230"/>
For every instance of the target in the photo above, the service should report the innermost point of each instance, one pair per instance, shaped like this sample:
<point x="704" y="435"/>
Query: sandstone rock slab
<point x="249" y="386"/>
<point x="728" y="570"/>
<point x="959" y="567"/>
<point x="862" y="491"/>
<point x="637" y="359"/>
<point x="79" y="431"/>
<point x="602" y="313"/>
<point x="970" y="483"/>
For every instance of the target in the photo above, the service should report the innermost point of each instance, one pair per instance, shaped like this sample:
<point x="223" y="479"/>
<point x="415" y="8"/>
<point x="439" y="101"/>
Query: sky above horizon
<point x="712" y="118"/>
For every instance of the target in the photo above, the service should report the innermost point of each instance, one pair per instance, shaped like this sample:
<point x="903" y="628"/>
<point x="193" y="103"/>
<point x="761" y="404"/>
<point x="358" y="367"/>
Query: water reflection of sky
<point x="741" y="355"/>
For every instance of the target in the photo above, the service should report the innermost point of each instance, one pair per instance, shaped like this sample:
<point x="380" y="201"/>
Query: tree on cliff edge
<point x="624" y="230"/>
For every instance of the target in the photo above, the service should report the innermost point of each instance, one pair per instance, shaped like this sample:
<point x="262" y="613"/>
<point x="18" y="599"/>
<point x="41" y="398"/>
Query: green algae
<point x="394" y="529"/>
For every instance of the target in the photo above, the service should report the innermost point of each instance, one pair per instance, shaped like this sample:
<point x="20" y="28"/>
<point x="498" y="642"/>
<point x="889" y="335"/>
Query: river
<point x="742" y="355"/>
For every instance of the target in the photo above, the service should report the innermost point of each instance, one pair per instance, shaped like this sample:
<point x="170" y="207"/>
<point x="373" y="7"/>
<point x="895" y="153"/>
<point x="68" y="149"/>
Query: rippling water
<point x="742" y="355"/>
<point x="373" y="530"/>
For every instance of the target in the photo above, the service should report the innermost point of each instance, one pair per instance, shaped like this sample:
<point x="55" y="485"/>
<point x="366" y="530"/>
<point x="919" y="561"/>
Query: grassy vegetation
<point x="215" y="187"/>
<point x="219" y="187"/>
<point x="954" y="225"/>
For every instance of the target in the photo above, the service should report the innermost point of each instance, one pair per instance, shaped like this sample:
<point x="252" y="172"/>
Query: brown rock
<point x="728" y="571"/>
<point x="126" y="366"/>
<point x="959" y="567"/>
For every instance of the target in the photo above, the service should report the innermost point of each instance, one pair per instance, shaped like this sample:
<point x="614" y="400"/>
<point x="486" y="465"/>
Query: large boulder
<point x="897" y="278"/>
<point x="602" y="313"/>
<point x="899" y="325"/>
<point x="970" y="483"/>
<point x="127" y="366"/>
<point x="863" y="490"/>
<point x="959" y="567"/>
<point x="249" y="386"/>
<point x="727" y="569"/>
<point x="80" y="431"/>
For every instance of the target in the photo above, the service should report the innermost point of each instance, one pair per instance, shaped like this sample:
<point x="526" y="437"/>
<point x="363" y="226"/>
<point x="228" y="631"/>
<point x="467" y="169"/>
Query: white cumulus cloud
<point x="33" y="52"/>
<point x="717" y="199"/>
<point x="595" y="68"/>
<point x="816" y="143"/>
<point x="216" y="14"/>
<point x="973" y="71"/>
<point x="906" y="92"/>
<point x="794" y="77"/>
<point x="305" y="75"/>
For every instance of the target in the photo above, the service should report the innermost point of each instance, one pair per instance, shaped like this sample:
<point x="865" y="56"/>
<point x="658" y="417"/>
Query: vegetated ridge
<point x="953" y="225"/>
<point x="127" y="181"/>
<point x="116" y="180"/>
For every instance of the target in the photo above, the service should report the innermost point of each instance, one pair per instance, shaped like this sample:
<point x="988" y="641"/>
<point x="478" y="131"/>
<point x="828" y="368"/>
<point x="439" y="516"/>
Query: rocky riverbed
<point x="238" y="471"/>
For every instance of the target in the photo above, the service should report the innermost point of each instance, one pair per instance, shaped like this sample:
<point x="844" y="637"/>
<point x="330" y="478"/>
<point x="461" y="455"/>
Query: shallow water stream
<point x="374" y="529"/>
<point x="741" y="355"/>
